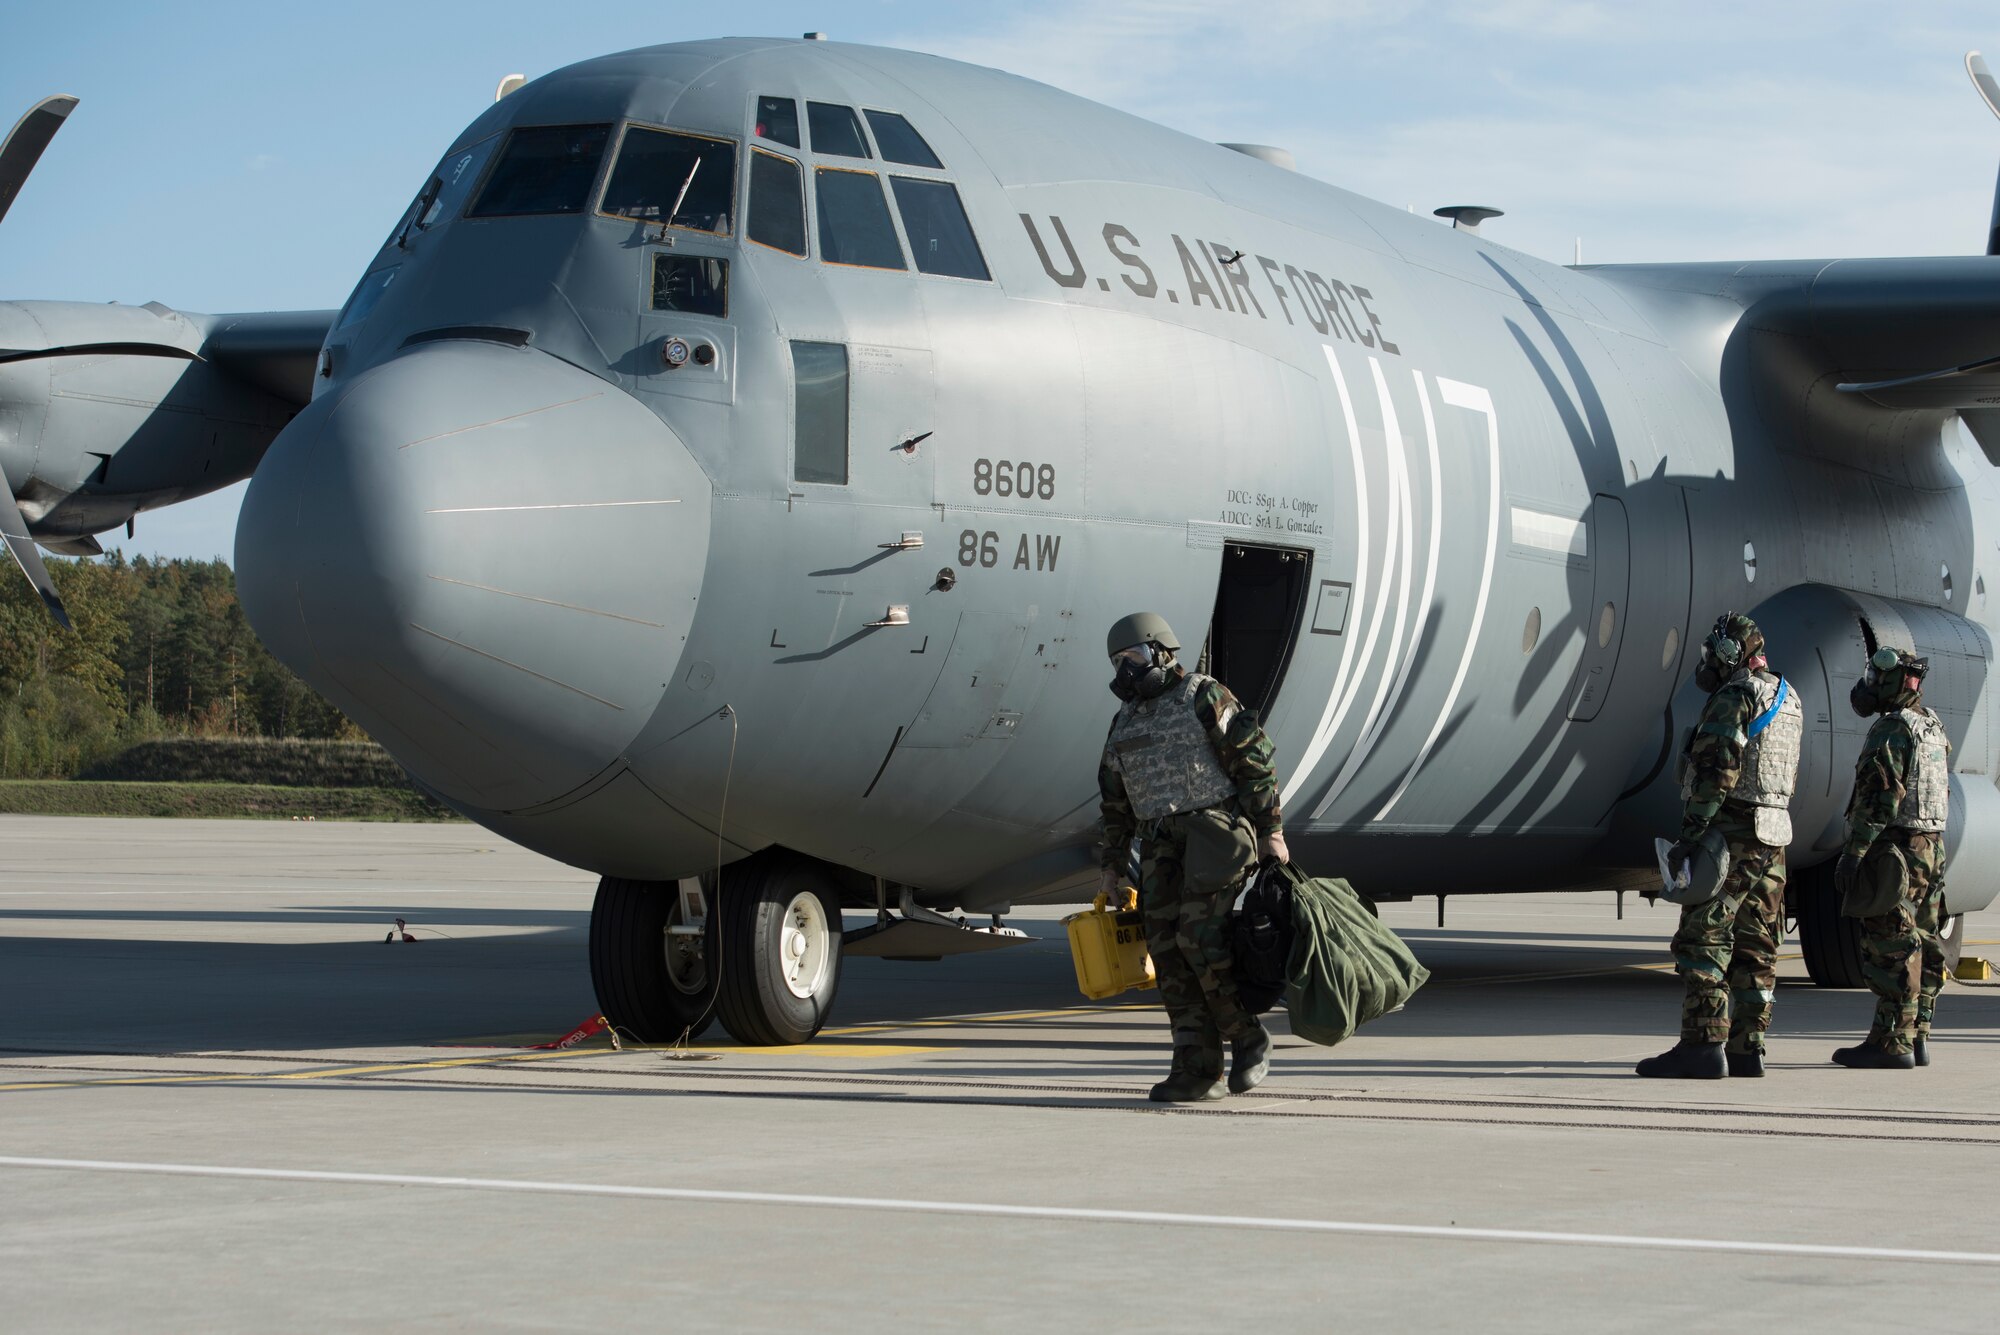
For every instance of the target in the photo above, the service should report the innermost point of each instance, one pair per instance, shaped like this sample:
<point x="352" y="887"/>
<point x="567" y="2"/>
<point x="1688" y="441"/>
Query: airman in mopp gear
<point x="1738" y="771"/>
<point x="1891" y="872"/>
<point x="1187" y="770"/>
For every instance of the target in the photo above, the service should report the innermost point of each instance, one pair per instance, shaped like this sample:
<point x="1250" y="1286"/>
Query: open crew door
<point x="1259" y="600"/>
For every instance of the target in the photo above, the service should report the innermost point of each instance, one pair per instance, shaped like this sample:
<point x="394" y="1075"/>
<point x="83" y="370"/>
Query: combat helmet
<point x="1140" y="628"/>
<point x="1734" y="641"/>
<point x="1141" y="677"/>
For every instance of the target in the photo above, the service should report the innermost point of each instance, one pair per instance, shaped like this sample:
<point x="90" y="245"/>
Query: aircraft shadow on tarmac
<point x="138" y="994"/>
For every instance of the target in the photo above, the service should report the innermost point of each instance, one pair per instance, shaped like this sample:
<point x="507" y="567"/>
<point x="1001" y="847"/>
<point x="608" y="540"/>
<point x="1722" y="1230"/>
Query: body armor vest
<point x="1770" y="771"/>
<point x="1927" y="786"/>
<point x="1771" y="743"/>
<point x="1162" y="751"/>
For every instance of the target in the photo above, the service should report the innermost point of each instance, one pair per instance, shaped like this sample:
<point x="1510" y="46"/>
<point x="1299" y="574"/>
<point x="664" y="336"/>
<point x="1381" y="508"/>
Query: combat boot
<point x="1922" y="1052"/>
<point x="1687" y="1061"/>
<point x="1249" y="1060"/>
<point x="1746" y="1064"/>
<point x="1187" y="1082"/>
<point x="1869" y="1055"/>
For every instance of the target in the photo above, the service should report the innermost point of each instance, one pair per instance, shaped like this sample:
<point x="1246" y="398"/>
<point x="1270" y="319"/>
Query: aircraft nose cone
<point x="486" y="557"/>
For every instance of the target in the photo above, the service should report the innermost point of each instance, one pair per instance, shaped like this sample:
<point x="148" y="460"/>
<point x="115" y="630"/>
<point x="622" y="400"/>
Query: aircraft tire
<point x="638" y="987"/>
<point x="780" y="951"/>
<point x="1951" y="935"/>
<point x="1830" y="942"/>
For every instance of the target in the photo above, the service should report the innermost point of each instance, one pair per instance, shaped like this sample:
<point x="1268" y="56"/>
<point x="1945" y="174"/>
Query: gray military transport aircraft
<point x="735" y="453"/>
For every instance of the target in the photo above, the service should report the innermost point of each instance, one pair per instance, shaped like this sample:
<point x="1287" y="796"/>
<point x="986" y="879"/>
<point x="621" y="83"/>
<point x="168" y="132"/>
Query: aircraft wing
<point x="1899" y="335"/>
<point x="277" y="351"/>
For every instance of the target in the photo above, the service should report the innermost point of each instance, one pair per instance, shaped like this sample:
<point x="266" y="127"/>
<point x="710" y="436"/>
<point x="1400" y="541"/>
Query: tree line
<point x="160" y="648"/>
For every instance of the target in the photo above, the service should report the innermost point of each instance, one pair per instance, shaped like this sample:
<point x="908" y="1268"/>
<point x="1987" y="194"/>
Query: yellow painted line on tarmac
<point x="812" y="1049"/>
<point x="848" y="1050"/>
<point x="997" y="1017"/>
<point x="322" y="1073"/>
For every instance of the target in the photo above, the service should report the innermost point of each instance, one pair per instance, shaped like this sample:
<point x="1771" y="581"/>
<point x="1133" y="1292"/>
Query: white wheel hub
<point x="805" y="945"/>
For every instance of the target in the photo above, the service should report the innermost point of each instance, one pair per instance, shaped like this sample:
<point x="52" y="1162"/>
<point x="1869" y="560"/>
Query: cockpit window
<point x="835" y="131"/>
<point x="934" y="219"/>
<point x="854" y="222"/>
<point x="367" y="295"/>
<point x="452" y="182"/>
<point x="680" y="180"/>
<point x="691" y="284"/>
<point x="777" y="202"/>
<point x="899" y="140"/>
<point x="545" y="169"/>
<point x="778" y="120"/>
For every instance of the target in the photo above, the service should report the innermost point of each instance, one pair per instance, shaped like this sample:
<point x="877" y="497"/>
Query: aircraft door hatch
<point x="1259" y="600"/>
<point x="971" y="698"/>
<point x="1604" y="616"/>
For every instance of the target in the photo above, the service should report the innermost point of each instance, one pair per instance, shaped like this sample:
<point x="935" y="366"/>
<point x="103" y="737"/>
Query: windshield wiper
<point x="680" y="198"/>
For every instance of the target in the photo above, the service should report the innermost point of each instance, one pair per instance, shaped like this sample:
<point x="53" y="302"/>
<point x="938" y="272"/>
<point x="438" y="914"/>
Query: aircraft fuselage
<point x="642" y="573"/>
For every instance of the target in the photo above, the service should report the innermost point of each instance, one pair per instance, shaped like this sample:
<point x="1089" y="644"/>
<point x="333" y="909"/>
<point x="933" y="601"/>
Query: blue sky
<point x="250" y="156"/>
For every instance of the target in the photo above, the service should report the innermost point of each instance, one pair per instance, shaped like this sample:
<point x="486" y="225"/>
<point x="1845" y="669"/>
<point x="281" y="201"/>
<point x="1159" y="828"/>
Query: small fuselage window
<point x="819" y="412"/>
<point x="367" y="294"/>
<point x="854" y="222"/>
<point x="691" y="284"/>
<point x="835" y="131"/>
<point x="900" y="142"/>
<point x="941" y="239"/>
<point x="777" y="203"/>
<point x="545" y="169"/>
<point x="778" y="120"/>
<point x="676" y="180"/>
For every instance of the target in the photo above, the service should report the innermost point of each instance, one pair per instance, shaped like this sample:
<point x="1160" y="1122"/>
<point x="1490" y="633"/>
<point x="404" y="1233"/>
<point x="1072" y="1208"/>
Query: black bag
<point x="1261" y="931"/>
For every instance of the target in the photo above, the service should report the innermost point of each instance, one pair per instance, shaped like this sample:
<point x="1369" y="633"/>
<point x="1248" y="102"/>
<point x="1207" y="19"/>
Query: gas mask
<point x="1721" y="654"/>
<point x="1885" y="682"/>
<point x="1140" y="672"/>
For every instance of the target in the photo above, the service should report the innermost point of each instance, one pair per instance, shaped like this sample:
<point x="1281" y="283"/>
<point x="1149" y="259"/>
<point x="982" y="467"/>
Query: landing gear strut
<point x="765" y="960"/>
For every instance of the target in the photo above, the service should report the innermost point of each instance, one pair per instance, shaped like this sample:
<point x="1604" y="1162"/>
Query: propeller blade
<point x="1983" y="80"/>
<point x="25" y="142"/>
<point x="14" y="530"/>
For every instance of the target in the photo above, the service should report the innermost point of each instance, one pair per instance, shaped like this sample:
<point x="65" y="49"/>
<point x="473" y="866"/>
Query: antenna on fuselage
<point x="508" y="85"/>
<point x="1467" y="217"/>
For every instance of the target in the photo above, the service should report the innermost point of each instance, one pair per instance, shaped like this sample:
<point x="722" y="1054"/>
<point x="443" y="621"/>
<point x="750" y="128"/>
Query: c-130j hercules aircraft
<point x="735" y="453"/>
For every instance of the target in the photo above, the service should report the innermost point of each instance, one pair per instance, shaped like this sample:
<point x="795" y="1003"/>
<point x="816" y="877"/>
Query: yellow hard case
<point x="1109" y="950"/>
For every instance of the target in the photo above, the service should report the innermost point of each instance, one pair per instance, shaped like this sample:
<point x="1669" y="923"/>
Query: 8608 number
<point x="1022" y="478"/>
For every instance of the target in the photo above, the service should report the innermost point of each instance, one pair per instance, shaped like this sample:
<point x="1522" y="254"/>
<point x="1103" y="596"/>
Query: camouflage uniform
<point x="1186" y="916"/>
<point x="1726" y="951"/>
<point x="1902" y="958"/>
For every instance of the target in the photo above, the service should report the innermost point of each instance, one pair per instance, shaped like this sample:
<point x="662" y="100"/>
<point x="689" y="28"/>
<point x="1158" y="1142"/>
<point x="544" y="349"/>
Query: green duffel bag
<point x="1346" y="967"/>
<point x="1882" y="884"/>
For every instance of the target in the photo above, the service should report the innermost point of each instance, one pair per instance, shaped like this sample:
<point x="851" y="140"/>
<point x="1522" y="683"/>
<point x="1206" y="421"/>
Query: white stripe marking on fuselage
<point x="1424" y="602"/>
<point x="1055" y="1213"/>
<point x="1461" y="395"/>
<point x="1323" y="735"/>
<point x="1399" y="504"/>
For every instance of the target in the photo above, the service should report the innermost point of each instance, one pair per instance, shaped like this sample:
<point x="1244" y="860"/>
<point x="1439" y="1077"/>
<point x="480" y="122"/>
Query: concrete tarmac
<point x="227" y="1104"/>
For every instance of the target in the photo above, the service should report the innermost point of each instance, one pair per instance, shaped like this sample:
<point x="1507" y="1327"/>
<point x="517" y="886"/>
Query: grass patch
<point x="214" y="801"/>
<point x="287" y="762"/>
